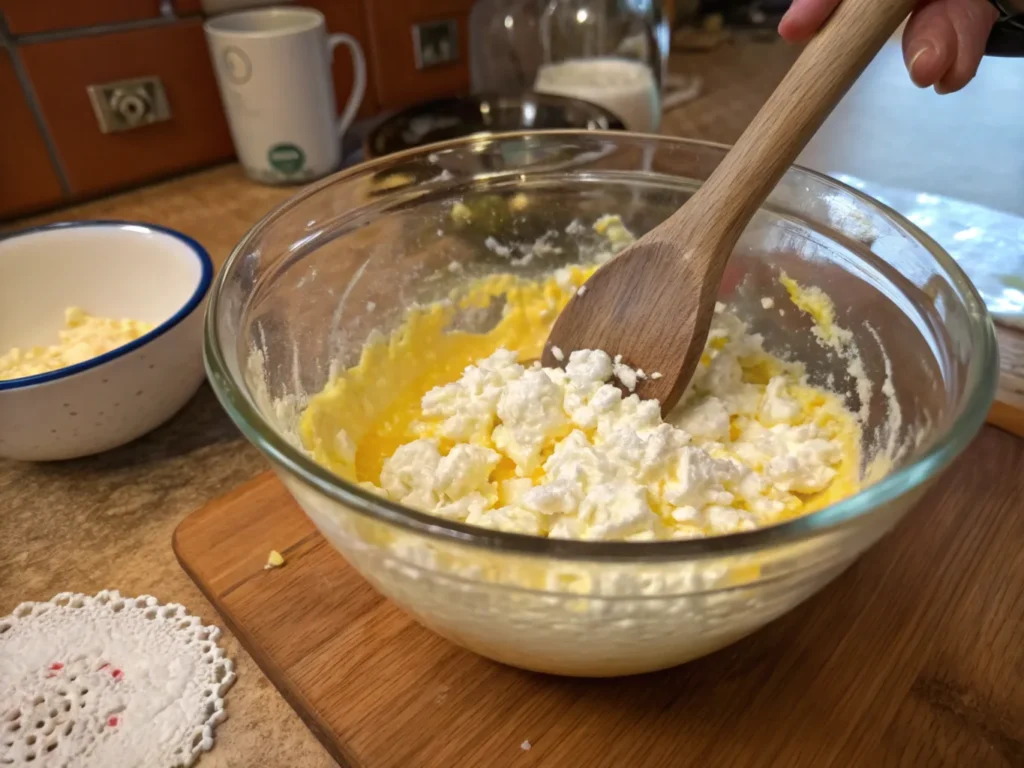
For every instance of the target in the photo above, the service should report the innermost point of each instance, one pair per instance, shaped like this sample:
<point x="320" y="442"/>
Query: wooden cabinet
<point x="28" y="180"/>
<point x="95" y="162"/>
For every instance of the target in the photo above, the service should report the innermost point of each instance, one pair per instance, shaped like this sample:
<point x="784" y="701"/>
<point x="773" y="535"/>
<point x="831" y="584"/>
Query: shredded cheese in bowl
<point x="83" y="337"/>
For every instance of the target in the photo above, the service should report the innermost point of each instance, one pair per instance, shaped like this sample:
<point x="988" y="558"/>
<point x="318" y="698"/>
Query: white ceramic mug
<point x="273" y="67"/>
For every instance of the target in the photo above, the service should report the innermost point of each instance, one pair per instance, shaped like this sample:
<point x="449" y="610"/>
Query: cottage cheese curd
<point x="84" y="336"/>
<point x="441" y="413"/>
<point x="454" y="424"/>
<point x="563" y="453"/>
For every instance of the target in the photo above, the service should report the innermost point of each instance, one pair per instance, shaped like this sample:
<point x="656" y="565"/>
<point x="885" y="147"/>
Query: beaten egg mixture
<point x="84" y="336"/>
<point x="455" y="424"/>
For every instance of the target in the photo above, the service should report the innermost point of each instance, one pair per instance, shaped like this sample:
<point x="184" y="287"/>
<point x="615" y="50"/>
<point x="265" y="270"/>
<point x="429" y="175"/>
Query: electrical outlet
<point x="127" y="104"/>
<point x="435" y="42"/>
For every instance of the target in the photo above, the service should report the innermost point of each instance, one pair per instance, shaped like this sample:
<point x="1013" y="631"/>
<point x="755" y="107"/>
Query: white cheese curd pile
<point x="565" y="454"/>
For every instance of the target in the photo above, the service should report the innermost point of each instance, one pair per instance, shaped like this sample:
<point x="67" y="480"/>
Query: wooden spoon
<point x="653" y="303"/>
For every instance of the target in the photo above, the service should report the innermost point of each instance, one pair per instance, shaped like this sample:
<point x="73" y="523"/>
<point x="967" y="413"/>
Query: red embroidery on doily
<point x="58" y="666"/>
<point x="112" y="721"/>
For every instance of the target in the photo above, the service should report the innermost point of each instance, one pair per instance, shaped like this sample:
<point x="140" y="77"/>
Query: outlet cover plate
<point x="435" y="43"/>
<point x="123" y="105"/>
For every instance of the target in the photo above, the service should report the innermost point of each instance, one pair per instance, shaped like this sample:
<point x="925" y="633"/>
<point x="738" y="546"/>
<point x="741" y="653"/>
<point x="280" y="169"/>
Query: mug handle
<point x="358" y="80"/>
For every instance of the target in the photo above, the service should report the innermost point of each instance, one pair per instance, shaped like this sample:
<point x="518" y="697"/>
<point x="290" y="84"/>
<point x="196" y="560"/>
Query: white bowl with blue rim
<point x="110" y="269"/>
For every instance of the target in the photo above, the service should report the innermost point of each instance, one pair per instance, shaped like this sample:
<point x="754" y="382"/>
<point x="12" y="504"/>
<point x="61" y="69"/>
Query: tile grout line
<point x="29" y="92"/>
<point x="11" y="42"/>
<point x="57" y="35"/>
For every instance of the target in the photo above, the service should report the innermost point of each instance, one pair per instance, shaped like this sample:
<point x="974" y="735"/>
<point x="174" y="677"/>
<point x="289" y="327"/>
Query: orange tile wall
<point x="28" y="180"/>
<point x="66" y="45"/>
<point x="196" y="135"/>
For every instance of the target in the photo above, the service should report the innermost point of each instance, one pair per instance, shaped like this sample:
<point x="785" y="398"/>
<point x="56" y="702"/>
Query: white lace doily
<point x="108" y="681"/>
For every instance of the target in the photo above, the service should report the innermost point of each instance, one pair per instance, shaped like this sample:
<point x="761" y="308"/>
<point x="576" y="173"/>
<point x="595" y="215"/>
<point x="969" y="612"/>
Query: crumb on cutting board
<point x="274" y="560"/>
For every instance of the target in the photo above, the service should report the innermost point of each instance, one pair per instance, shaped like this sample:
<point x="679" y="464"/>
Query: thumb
<point x="945" y="40"/>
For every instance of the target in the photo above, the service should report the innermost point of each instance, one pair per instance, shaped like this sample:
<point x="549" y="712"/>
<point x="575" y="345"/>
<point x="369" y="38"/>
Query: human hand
<point x="942" y="43"/>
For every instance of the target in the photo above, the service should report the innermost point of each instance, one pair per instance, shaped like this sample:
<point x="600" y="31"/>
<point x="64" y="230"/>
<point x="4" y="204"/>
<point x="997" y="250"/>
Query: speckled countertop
<point x="105" y="522"/>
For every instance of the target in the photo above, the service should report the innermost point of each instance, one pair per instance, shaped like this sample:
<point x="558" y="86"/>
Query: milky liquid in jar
<point x="624" y="87"/>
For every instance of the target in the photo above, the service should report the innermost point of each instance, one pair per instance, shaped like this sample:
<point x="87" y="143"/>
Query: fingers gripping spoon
<point x="653" y="303"/>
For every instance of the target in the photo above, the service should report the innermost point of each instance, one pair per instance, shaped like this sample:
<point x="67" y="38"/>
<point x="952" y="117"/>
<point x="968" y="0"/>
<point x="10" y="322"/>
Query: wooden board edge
<point x="190" y="520"/>
<point x="1007" y="417"/>
<point x="302" y="707"/>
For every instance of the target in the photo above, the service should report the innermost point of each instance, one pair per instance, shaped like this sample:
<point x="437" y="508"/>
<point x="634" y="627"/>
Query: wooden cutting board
<point x="914" y="657"/>
<point x="1008" y="409"/>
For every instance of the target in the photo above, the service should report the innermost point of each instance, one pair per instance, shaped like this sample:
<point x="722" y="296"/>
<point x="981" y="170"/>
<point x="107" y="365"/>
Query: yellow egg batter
<point x="376" y="401"/>
<point x="367" y="412"/>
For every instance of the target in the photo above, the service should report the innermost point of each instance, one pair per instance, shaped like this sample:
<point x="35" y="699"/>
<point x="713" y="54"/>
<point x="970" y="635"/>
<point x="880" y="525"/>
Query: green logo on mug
<point x="286" y="158"/>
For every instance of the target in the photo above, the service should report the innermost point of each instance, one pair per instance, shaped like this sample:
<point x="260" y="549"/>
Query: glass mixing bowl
<point x="345" y="258"/>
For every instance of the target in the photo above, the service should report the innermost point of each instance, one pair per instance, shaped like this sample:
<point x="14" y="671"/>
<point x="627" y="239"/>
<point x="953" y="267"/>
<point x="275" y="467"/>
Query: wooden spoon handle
<point x="825" y="70"/>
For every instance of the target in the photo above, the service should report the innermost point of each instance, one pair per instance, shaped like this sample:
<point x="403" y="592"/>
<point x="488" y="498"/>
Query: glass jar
<point x="608" y="52"/>
<point x="504" y="45"/>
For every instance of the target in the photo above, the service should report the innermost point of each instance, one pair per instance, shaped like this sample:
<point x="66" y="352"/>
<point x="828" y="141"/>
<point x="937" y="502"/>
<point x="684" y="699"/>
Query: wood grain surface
<point x="912" y="658"/>
<point x="1008" y="409"/>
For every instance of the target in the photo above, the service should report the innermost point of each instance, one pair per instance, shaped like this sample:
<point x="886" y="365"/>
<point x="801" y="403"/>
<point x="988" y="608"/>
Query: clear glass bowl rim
<point x="980" y="390"/>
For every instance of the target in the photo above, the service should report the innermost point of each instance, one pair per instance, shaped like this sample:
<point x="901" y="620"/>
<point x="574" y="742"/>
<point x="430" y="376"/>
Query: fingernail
<point x="919" y="61"/>
<point x="942" y="90"/>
